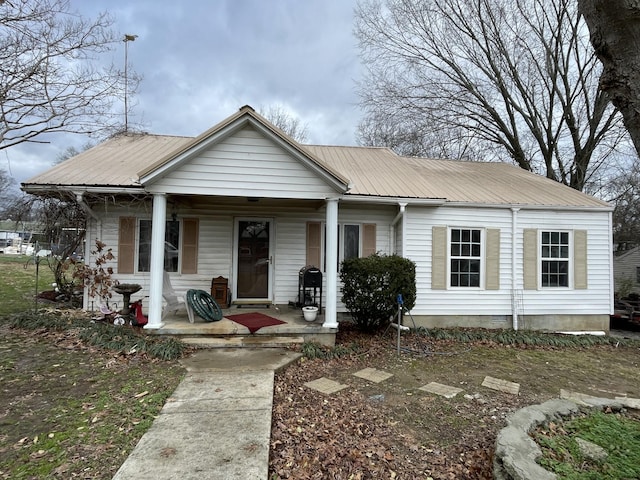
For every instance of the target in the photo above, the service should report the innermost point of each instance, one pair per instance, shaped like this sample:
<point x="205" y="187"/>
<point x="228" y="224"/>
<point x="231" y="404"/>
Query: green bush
<point x="371" y="286"/>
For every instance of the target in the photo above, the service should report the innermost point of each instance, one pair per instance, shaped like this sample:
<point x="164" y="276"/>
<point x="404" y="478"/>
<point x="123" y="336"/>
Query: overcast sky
<point x="201" y="60"/>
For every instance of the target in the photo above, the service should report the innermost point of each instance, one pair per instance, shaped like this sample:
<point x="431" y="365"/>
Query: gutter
<point x="40" y="188"/>
<point x="358" y="198"/>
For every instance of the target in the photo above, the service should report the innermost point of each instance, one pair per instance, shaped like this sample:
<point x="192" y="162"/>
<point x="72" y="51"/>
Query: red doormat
<point x="254" y="321"/>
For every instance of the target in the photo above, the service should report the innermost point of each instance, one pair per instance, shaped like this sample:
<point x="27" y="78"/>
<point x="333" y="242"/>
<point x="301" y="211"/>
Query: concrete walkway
<point x="217" y="423"/>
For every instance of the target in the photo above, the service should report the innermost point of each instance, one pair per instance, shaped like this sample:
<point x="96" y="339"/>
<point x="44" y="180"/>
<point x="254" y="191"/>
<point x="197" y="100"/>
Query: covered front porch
<point x="228" y="333"/>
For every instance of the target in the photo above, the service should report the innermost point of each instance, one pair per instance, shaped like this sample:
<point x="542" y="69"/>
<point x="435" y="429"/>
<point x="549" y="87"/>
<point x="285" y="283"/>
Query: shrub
<point x="125" y="339"/>
<point x="371" y="287"/>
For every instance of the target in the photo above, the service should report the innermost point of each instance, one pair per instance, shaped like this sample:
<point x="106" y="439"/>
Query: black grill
<point x="310" y="287"/>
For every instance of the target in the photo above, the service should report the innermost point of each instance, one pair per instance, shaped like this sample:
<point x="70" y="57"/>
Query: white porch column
<point x="330" y="310"/>
<point x="157" y="260"/>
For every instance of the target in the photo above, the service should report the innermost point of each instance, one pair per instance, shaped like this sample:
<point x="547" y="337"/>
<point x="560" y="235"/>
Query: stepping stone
<point x="373" y="375"/>
<point x="325" y="385"/>
<point x="440" y="389"/>
<point x="501" y="385"/>
<point x="629" y="402"/>
<point x="584" y="399"/>
<point x="577" y="397"/>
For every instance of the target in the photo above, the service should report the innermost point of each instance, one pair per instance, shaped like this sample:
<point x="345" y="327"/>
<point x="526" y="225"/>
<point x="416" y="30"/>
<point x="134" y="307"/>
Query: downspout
<point x="85" y="206"/>
<point x="392" y="228"/>
<point x="514" y="264"/>
<point x="612" y="287"/>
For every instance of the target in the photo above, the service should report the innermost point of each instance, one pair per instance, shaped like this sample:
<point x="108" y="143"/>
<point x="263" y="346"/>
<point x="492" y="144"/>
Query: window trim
<point x="482" y="258"/>
<point x="569" y="259"/>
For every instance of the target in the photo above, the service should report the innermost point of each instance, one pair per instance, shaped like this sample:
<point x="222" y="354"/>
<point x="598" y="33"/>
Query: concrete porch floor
<point x="227" y="333"/>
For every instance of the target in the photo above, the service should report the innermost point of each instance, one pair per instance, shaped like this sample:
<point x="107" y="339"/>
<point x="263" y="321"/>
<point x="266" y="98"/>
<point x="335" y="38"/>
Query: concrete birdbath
<point x="126" y="290"/>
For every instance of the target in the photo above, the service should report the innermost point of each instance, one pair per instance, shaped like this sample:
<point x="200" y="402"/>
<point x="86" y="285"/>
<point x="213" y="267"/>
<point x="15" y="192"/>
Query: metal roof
<point x="380" y="172"/>
<point x="371" y="171"/>
<point x="113" y="163"/>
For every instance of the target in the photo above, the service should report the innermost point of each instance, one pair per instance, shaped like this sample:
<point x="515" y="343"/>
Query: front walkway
<point x="217" y="423"/>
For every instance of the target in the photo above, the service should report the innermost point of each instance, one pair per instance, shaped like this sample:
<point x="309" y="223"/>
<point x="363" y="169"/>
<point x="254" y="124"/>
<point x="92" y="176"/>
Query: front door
<point x="253" y="259"/>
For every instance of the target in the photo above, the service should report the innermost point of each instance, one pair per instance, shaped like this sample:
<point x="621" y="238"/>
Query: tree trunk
<point x="614" y="26"/>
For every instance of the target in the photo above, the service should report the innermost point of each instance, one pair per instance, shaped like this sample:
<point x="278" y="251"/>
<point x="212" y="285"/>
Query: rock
<point x="591" y="450"/>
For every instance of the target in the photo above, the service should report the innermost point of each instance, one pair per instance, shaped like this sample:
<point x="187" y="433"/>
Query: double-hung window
<point x="171" y="246"/>
<point x="555" y="259"/>
<point x="465" y="257"/>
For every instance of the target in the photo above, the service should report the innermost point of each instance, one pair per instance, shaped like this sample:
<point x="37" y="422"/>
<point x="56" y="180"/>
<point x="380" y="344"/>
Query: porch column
<point x="330" y="311"/>
<point x="156" y="267"/>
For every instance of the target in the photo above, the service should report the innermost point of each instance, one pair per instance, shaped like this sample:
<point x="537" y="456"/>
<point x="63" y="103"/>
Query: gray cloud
<point x="202" y="60"/>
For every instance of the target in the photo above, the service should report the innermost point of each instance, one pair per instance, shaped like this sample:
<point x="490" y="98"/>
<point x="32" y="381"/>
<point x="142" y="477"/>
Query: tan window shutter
<point x="190" y="232"/>
<point x="439" y="258"/>
<point x="492" y="272"/>
<point x="368" y="239"/>
<point x="580" y="259"/>
<point x="530" y="259"/>
<point x="314" y="243"/>
<point x="126" y="244"/>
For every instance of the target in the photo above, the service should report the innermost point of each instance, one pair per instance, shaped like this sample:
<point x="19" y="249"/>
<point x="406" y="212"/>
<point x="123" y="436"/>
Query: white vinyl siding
<point x="246" y="164"/>
<point x="425" y="225"/>
<point x="216" y="220"/>
<point x="215" y="241"/>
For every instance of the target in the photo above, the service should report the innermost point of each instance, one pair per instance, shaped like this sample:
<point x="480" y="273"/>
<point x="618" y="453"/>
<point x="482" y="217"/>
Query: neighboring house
<point x="494" y="246"/>
<point x="626" y="272"/>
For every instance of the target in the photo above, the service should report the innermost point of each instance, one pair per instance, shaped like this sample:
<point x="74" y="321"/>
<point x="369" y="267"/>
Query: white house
<point x="494" y="246"/>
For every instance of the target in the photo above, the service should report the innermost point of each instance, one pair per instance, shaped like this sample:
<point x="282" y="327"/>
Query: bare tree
<point x="72" y="152"/>
<point x="615" y="35"/>
<point x="48" y="81"/>
<point x="5" y="182"/>
<point x="285" y="121"/>
<point x="519" y="75"/>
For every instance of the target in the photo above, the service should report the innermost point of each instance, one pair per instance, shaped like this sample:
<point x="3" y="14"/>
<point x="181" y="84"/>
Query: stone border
<point x="516" y="452"/>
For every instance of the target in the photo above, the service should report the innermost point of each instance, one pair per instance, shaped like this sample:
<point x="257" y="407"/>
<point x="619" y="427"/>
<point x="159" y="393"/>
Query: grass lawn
<point x="70" y="408"/>
<point x="18" y="282"/>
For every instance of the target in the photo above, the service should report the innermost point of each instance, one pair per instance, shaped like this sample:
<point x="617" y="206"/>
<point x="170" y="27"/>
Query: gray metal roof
<point x="376" y="172"/>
